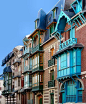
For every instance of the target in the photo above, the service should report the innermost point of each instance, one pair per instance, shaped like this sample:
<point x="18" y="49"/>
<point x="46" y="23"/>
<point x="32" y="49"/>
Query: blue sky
<point x="17" y="20"/>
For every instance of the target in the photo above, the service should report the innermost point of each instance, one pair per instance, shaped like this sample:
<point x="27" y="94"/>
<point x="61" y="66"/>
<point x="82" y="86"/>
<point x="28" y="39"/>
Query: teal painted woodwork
<point x="71" y="91"/>
<point x="67" y="43"/>
<point x="69" y="63"/>
<point x="62" y="18"/>
<point x="72" y="33"/>
<point x="27" y="80"/>
<point x="63" y="97"/>
<point x="78" y="4"/>
<point x="29" y="66"/>
<point x="27" y="50"/>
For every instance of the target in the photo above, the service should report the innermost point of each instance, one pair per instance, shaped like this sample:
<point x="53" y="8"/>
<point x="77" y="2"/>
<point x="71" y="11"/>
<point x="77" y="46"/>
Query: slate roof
<point x="7" y="69"/>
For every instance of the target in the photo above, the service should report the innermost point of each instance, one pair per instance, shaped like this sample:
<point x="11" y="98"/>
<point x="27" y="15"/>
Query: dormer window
<point x="54" y="12"/>
<point x="36" y="24"/>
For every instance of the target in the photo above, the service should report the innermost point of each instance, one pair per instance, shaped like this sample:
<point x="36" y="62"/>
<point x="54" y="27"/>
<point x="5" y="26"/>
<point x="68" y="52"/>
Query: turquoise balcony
<point x="27" y="51"/>
<point x="69" y="63"/>
<point x="37" y="48"/>
<point x="67" y="43"/>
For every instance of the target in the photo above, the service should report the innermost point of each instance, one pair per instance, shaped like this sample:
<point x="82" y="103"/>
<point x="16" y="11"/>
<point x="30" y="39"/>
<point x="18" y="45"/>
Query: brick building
<point x="52" y="61"/>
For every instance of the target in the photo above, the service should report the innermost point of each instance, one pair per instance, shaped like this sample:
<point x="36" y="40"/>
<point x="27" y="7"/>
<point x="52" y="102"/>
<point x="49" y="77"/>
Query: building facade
<point x="2" y="98"/>
<point x="50" y="67"/>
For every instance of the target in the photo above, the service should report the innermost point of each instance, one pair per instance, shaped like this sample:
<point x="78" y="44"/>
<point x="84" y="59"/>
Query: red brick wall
<point x="81" y="38"/>
<point x="46" y="58"/>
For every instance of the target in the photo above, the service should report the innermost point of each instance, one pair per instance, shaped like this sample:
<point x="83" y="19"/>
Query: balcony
<point x="27" y="51"/>
<point x="27" y="68"/>
<point x="51" y="62"/>
<point x="37" y="86"/>
<point x="37" y="48"/>
<point x="17" y="74"/>
<point x="51" y="83"/>
<point x="29" y="101"/>
<point x="17" y="61"/>
<point x="67" y="43"/>
<point x="28" y="85"/>
<point x="37" y="68"/>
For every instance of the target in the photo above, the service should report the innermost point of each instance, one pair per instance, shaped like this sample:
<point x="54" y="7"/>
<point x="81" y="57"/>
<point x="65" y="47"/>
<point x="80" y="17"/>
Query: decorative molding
<point x="81" y="27"/>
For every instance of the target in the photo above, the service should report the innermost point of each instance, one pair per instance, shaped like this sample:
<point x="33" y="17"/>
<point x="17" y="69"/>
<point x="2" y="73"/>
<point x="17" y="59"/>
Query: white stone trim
<point x="50" y="67"/>
<point x="84" y="72"/>
<point x="81" y="27"/>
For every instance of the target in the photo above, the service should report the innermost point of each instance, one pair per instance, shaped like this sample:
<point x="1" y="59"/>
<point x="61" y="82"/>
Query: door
<point x="40" y="101"/>
<point x="63" y="98"/>
<point x="52" y="99"/>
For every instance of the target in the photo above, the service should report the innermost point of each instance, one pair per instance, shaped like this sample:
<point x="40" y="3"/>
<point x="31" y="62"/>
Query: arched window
<point x="71" y="91"/>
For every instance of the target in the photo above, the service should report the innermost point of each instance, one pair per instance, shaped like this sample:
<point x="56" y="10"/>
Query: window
<point x="35" y="61"/>
<point x="51" y="53"/>
<point x="49" y="18"/>
<point x="18" y="82"/>
<point x="72" y="33"/>
<point x="71" y="92"/>
<point x="26" y="62"/>
<point x="52" y="75"/>
<point x="59" y="63"/>
<point x="51" y="29"/>
<point x="54" y="13"/>
<point x="68" y="61"/>
<point x="36" y="24"/>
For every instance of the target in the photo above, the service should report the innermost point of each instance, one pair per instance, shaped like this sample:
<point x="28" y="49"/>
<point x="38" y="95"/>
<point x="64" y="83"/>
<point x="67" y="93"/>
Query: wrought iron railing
<point x="51" y="83"/>
<point x="51" y="62"/>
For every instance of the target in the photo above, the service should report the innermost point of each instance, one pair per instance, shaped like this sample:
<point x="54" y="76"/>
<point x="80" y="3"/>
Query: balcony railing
<point x="67" y="43"/>
<point x="51" y="83"/>
<point x="17" y="74"/>
<point x="35" y="49"/>
<point x="37" y="67"/>
<point x="27" y="68"/>
<point x="37" y="88"/>
<point x="29" y="101"/>
<point x="27" y="50"/>
<point x="51" y="62"/>
<point x="27" y="84"/>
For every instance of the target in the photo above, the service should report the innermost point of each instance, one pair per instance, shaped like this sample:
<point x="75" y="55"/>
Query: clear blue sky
<point x="17" y="20"/>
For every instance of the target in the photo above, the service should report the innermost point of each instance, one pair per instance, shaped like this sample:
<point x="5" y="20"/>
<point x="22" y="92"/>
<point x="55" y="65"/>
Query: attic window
<point x="36" y="24"/>
<point x="54" y="12"/>
<point x="49" y="19"/>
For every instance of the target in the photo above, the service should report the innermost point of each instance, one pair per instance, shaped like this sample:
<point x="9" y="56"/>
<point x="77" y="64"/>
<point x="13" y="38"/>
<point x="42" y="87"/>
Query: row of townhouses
<point x="50" y="67"/>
